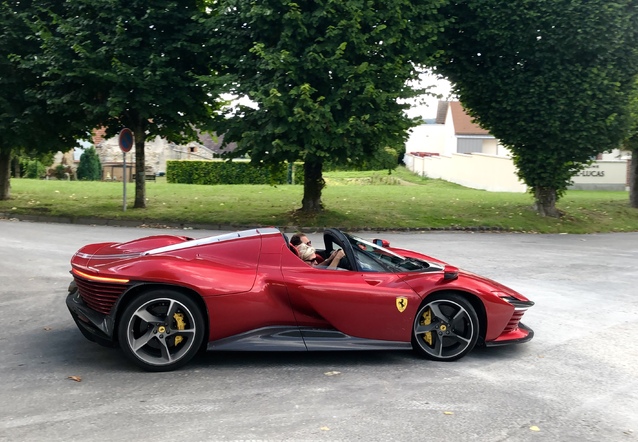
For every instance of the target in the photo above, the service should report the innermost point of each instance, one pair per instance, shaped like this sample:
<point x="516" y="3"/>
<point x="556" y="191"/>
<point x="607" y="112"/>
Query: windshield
<point x="372" y="257"/>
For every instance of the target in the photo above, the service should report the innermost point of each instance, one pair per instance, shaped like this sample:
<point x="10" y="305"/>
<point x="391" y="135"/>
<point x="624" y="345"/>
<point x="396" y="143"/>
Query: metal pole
<point x="124" y="182"/>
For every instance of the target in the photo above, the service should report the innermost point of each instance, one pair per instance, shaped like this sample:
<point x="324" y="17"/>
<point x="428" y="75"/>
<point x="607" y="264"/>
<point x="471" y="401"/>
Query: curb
<point x="94" y="221"/>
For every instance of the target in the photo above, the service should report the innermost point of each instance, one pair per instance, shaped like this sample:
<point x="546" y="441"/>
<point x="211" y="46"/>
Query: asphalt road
<point x="577" y="380"/>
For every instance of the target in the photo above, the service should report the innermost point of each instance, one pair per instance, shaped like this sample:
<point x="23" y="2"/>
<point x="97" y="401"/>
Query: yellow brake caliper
<point x="426" y="319"/>
<point x="181" y="325"/>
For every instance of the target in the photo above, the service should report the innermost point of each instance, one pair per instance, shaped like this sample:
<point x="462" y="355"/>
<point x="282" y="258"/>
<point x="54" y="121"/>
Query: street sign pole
<point x="126" y="143"/>
<point x="124" y="182"/>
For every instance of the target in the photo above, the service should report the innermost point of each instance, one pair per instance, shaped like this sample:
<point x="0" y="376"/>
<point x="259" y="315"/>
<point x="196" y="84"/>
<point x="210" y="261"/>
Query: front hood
<point x="424" y="283"/>
<point x="491" y="285"/>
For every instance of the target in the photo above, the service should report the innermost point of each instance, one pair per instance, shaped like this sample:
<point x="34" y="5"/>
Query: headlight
<point x="504" y="296"/>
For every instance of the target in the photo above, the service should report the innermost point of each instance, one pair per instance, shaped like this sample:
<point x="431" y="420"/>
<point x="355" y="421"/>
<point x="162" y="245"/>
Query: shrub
<point x="60" y="172"/>
<point x="90" y="168"/>
<point x="34" y="169"/>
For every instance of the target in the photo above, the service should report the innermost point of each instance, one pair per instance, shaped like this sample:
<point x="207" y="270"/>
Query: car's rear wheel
<point x="161" y="330"/>
<point x="446" y="327"/>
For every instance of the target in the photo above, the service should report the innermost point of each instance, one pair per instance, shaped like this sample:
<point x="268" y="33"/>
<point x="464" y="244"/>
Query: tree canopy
<point x="325" y="78"/>
<point x="27" y="121"/>
<point x="141" y="64"/>
<point x="551" y="79"/>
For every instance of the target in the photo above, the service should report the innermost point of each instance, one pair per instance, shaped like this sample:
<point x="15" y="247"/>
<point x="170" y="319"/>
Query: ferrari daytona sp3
<point x="164" y="298"/>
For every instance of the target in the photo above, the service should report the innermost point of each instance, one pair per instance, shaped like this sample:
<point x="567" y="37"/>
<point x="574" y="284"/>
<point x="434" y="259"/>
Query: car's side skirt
<point x="300" y="339"/>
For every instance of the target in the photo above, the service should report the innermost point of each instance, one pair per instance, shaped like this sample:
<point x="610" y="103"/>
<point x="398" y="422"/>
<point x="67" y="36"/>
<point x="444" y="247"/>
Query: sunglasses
<point x="309" y="243"/>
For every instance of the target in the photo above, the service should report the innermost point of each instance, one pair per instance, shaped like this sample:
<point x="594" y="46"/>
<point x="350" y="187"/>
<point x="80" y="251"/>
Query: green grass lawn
<point x="353" y="200"/>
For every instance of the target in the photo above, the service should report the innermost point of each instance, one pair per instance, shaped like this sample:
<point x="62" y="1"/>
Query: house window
<point x="468" y="145"/>
<point x="193" y="149"/>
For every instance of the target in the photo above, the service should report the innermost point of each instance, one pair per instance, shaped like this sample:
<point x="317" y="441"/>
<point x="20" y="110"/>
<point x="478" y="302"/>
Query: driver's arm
<point x="333" y="260"/>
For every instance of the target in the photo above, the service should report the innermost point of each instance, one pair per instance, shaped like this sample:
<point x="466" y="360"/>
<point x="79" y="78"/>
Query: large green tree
<point x="139" y="64"/>
<point x="550" y="78"/>
<point x="325" y="78"/>
<point x="27" y="122"/>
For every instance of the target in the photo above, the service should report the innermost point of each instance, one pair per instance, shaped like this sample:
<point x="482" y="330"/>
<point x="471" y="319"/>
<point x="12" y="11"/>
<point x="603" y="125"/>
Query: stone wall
<point x="158" y="151"/>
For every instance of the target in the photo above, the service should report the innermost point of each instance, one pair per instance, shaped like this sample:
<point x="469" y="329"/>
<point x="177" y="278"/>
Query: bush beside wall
<point x="223" y="172"/>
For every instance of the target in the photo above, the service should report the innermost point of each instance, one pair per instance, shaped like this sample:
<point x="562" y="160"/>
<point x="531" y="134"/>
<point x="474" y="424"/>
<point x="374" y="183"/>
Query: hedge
<point x="243" y="172"/>
<point x="386" y="159"/>
<point x="223" y="172"/>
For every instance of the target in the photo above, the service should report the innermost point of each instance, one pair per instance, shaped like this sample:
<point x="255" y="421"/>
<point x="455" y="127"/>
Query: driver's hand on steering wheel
<point x="335" y="257"/>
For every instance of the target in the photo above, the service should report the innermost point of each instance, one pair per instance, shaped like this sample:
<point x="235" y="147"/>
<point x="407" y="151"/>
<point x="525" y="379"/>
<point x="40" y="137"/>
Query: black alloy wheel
<point x="161" y="330"/>
<point x="446" y="327"/>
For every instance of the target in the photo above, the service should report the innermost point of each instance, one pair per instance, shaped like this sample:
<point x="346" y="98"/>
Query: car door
<point x="364" y="303"/>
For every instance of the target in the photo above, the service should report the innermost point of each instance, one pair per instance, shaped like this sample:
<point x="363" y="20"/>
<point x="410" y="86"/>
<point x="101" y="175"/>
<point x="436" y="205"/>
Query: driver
<point x="308" y="255"/>
<point x="301" y="238"/>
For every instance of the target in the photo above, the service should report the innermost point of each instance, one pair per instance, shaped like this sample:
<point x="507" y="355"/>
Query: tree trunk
<point x="5" y="174"/>
<point x="545" y="203"/>
<point x="140" y="168"/>
<point x="633" y="179"/>
<point x="313" y="185"/>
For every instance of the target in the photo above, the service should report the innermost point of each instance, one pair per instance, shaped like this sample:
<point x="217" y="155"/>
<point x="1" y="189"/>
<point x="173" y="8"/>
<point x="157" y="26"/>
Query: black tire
<point x="161" y="330"/>
<point x="446" y="327"/>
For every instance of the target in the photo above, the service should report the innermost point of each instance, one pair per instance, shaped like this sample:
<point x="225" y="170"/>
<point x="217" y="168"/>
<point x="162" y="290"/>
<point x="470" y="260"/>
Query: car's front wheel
<point x="446" y="327"/>
<point x="161" y="330"/>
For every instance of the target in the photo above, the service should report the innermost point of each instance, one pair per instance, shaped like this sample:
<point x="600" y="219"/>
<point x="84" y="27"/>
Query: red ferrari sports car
<point x="163" y="298"/>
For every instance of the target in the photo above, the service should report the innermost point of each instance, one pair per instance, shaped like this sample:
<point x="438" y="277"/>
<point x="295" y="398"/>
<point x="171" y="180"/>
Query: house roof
<point x="214" y="143"/>
<point x="98" y="135"/>
<point x="463" y="124"/>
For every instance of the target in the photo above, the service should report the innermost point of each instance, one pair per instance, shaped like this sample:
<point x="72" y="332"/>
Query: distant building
<point x="453" y="131"/>
<point x="157" y="152"/>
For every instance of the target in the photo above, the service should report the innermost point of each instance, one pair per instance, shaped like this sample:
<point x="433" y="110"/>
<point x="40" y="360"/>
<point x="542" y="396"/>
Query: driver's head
<point x="299" y="238"/>
<point x="307" y="253"/>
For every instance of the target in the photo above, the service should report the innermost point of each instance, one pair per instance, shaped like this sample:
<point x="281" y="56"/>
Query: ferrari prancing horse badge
<point x="402" y="303"/>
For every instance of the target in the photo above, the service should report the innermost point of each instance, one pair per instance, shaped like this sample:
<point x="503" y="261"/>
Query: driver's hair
<point x="295" y="240"/>
<point x="306" y="253"/>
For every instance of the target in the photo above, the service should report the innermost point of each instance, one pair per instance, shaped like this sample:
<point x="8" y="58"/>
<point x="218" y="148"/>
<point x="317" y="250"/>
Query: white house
<point x="455" y="149"/>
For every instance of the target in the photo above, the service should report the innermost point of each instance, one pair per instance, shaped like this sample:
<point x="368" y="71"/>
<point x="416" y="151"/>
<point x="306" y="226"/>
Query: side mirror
<point x="450" y="273"/>
<point x="381" y="242"/>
